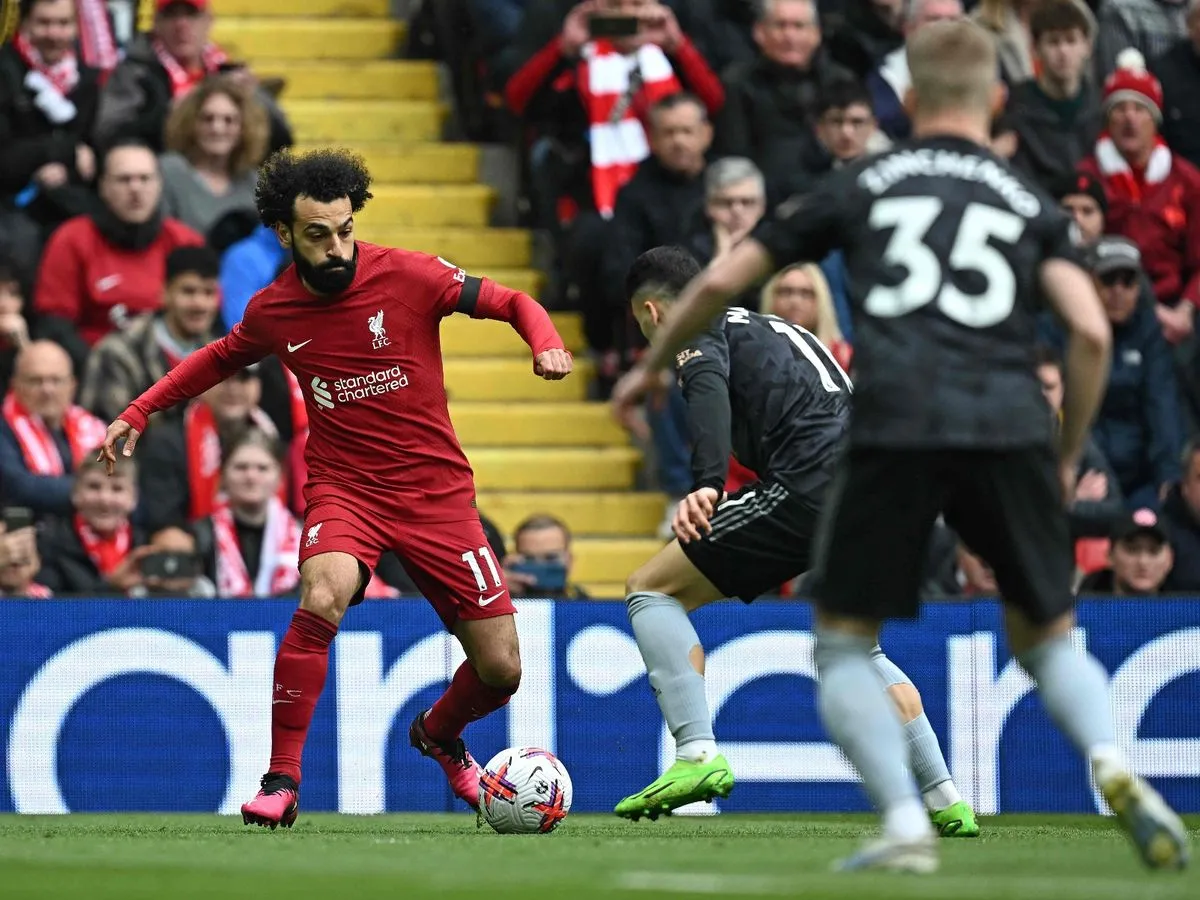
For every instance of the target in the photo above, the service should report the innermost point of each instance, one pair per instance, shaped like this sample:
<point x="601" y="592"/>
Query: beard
<point x="330" y="277"/>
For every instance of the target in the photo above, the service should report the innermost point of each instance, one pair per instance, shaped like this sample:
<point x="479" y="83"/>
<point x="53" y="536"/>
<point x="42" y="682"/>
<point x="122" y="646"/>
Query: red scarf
<point x="63" y="75"/>
<point x="37" y="591"/>
<point x="182" y="81"/>
<point x="617" y="91"/>
<point x="106" y="553"/>
<point x="1121" y="182"/>
<point x="277" y="570"/>
<point x="96" y="42"/>
<point x="202" y="444"/>
<point x="85" y="433"/>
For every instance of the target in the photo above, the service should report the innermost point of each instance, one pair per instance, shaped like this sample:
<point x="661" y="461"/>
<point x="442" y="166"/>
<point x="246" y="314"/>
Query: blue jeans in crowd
<point x="667" y="418"/>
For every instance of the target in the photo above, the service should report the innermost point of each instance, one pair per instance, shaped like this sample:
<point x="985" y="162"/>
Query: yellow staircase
<point x="535" y="446"/>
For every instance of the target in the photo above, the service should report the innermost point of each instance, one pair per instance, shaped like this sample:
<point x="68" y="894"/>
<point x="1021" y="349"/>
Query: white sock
<point x="906" y="821"/>
<point x="697" y="751"/>
<point x="1107" y="760"/>
<point x="940" y="796"/>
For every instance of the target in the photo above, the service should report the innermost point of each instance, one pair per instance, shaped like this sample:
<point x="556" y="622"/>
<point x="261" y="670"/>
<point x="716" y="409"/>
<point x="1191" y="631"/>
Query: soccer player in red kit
<point x="358" y="324"/>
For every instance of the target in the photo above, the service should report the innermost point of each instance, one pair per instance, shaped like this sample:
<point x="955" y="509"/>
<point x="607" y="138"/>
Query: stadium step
<point x="303" y="40"/>
<point x="427" y="205"/>
<point x="471" y="248"/>
<point x="602" y="590"/>
<point x="537" y="425"/>
<point x="558" y="469"/>
<point x="596" y="514"/>
<point x="610" y="559"/>
<point x="365" y="120"/>
<point x="324" y="9"/>
<point x="531" y="281"/>
<point x="379" y="79"/>
<point x="429" y="163"/>
<point x="465" y="337"/>
<point x="513" y="380"/>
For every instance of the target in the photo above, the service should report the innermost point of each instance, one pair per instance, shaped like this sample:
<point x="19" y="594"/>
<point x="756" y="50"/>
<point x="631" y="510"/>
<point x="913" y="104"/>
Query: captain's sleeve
<point x="806" y="227"/>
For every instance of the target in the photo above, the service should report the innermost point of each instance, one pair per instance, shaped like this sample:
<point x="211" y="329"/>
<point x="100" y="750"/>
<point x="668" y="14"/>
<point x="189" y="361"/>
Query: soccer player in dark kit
<point x="358" y="324"/>
<point x="949" y="253"/>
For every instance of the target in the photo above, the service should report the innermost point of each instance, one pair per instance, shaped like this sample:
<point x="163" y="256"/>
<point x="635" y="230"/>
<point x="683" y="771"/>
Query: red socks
<point x="300" y="669"/>
<point x="467" y="700"/>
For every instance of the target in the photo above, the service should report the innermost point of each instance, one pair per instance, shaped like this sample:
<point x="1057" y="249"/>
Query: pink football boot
<point x="277" y="802"/>
<point x="461" y="770"/>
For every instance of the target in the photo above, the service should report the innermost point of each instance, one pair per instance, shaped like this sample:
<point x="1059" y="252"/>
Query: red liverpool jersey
<point x="370" y="365"/>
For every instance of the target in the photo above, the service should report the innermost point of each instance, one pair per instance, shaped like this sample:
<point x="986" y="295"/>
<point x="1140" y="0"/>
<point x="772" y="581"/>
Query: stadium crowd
<point x="129" y="238"/>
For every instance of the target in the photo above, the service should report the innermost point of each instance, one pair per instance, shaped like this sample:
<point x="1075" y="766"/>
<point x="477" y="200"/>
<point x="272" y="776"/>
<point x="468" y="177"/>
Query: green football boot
<point x="685" y="782"/>
<point x="957" y="820"/>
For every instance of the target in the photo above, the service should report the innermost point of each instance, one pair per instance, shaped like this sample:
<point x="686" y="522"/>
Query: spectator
<point x="1141" y="558"/>
<point x="1097" y="502"/>
<point x="1139" y="427"/>
<point x="1009" y="23"/>
<point x="1081" y="196"/>
<point x="217" y="137"/>
<point x="863" y="32"/>
<point x="771" y="103"/>
<point x="48" y="103"/>
<point x="164" y="66"/>
<point x="1148" y="26"/>
<point x="975" y="577"/>
<point x="1153" y="196"/>
<point x="735" y="200"/>
<point x="1178" y="71"/>
<point x="658" y="204"/>
<point x="44" y="436"/>
<point x="890" y="80"/>
<point x="800" y="294"/>
<point x="246" y="268"/>
<point x="723" y="29"/>
<point x="19" y="565"/>
<point x="846" y="130"/>
<point x="1181" y="515"/>
<point x="1055" y="117"/>
<point x="189" y="582"/>
<point x="605" y="88"/>
<point x="181" y="459"/>
<point x="252" y="540"/>
<point x="497" y="26"/>
<point x="14" y="330"/>
<point x="103" y="268"/>
<point x="540" y="564"/>
<point x="127" y="362"/>
<point x="95" y="548"/>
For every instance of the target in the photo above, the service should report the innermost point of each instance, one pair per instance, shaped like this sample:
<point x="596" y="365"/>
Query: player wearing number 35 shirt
<point x="949" y="253"/>
<point x="359" y="326"/>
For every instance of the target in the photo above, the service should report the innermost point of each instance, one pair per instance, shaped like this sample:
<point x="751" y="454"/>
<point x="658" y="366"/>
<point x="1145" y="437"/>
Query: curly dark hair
<point x="324" y="175"/>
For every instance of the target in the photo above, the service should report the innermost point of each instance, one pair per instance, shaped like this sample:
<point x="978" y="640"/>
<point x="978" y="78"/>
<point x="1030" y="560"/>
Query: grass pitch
<point x="124" y="857"/>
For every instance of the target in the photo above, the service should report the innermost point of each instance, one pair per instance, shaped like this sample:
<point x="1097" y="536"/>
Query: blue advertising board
<point x="110" y="705"/>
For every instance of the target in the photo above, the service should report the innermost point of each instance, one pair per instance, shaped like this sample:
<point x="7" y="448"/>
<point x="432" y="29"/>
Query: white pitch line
<point x="705" y="883"/>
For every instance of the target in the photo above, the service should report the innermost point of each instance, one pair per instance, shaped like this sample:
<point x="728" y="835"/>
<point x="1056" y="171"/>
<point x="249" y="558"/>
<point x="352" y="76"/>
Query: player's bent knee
<point x="907" y="701"/>
<point x="321" y="598"/>
<point x="500" y="670"/>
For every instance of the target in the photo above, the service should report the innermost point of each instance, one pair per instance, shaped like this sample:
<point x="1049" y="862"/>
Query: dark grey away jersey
<point x="943" y="243"/>
<point x="769" y="392"/>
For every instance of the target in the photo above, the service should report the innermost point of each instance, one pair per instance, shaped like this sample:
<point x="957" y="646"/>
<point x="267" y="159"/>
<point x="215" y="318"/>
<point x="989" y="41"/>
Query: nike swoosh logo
<point x="490" y="599"/>
<point x="292" y="348"/>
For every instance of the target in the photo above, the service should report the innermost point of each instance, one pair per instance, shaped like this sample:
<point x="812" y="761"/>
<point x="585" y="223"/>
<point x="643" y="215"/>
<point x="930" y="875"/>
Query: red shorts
<point x="450" y="562"/>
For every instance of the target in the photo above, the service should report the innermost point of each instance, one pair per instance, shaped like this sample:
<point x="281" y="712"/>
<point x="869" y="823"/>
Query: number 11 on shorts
<point x="485" y="554"/>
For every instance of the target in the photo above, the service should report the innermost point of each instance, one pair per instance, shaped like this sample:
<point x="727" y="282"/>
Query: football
<point x="524" y="790"/>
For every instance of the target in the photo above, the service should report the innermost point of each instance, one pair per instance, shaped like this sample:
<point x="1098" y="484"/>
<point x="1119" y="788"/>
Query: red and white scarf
<point x="617" y="91"/>
<point x="182" y="81"/>
<point x="96" y="42"/>
<point x="1121" y="182"/>
<point x="62" y="76"/>
<point x="277" y="570"/>
<point x="202" y="443"/>
<point x="85" y="433"/>
<point x="106" y="553"/>
<point x="35" y="591"/>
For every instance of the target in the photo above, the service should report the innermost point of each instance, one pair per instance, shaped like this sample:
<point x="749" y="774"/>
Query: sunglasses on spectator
<point x="1122" y="277"/>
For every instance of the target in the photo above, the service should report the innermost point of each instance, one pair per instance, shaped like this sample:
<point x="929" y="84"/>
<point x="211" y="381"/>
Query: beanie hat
<point x="1079" y="183"/>
<point x="1131" y="81"/>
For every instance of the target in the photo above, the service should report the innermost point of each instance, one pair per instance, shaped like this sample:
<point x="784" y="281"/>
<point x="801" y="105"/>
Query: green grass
<point x="173" y="857"/>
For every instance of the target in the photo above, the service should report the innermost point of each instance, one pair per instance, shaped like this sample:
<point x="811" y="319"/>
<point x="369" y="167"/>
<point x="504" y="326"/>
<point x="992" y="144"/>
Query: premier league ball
<point x="524" y="790"/>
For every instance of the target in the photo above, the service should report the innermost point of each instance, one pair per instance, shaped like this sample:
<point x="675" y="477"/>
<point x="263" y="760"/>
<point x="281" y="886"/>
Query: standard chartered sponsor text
<point x="360" y="387"/>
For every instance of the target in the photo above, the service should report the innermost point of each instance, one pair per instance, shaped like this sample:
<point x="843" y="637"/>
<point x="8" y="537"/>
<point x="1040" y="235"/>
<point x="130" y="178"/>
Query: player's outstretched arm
<point x="551" y="359"/>
<point x="1089" y="347"/>
<point x="200" y="371"/>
